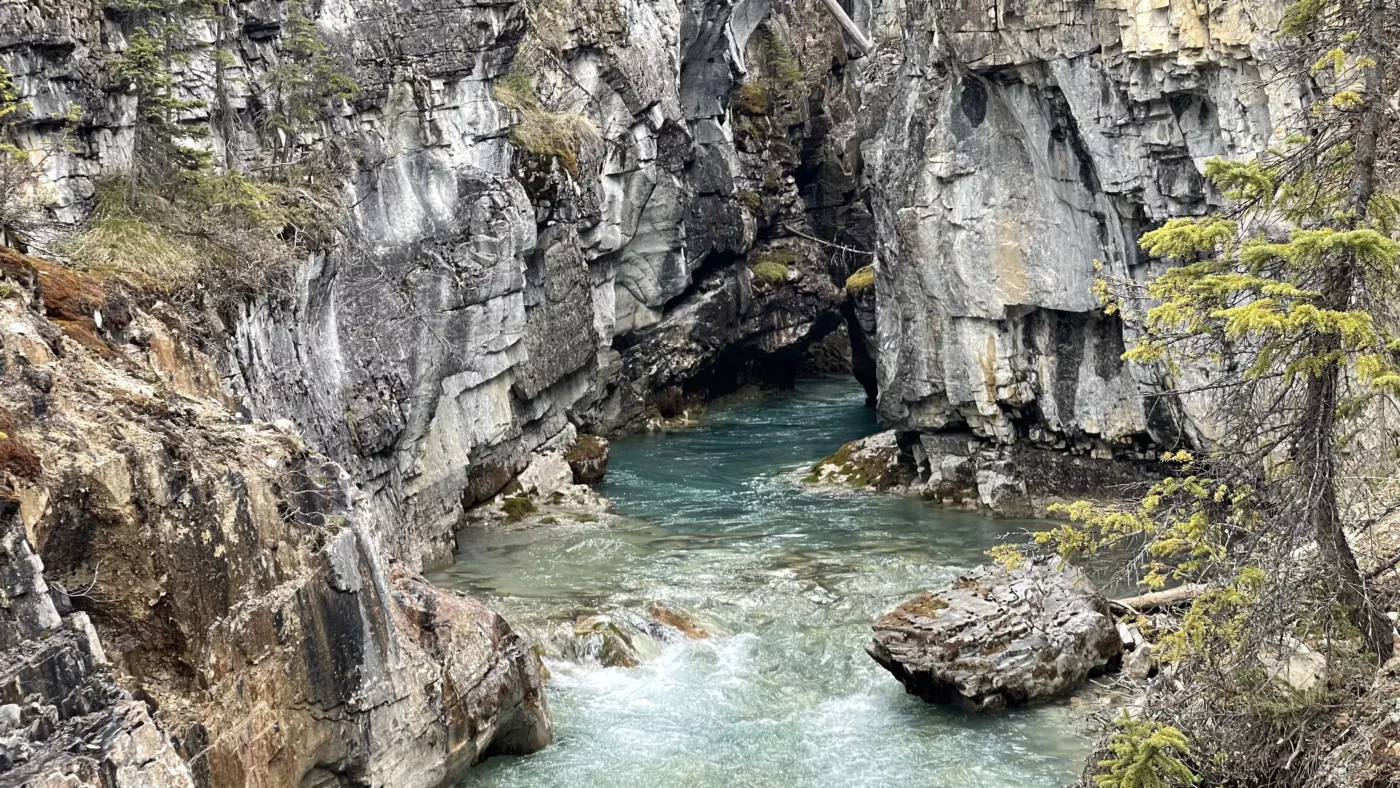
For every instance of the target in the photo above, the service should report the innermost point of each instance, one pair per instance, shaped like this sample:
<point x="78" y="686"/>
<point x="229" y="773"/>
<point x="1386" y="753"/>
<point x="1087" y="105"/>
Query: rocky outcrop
<point x="232" y="574"/>
<point x="960" y="470"/>
<point x="588" y="459"/>
<point x="998" y="638"/>
<point x="877" y="462"/>
<point x="63" y="719"/>
<point x="485" y="294"/>
<point x="1012" y="148"/>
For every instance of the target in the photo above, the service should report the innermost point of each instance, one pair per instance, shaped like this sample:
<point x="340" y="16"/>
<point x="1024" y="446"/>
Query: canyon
<point x="250" y="495"/>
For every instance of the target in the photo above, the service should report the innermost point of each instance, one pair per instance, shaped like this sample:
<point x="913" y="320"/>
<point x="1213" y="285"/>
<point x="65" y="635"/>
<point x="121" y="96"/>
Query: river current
<point x="716" y="521"/>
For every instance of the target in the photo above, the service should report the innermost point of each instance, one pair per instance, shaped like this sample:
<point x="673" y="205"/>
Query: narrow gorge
<point x="323" y="320"/>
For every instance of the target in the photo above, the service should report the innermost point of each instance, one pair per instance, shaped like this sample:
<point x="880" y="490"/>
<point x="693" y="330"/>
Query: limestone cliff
<point x="483" y="301"/>
<point x="233" y="574"/>
<point x="485" y="296"/>
<point x="1010" y="147"/>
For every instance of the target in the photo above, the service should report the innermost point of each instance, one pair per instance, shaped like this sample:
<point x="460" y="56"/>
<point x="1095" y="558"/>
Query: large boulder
<point x="998" y="638"/>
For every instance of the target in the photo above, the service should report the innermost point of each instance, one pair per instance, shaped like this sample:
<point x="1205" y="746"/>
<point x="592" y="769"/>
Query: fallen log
<point x="1159" y="600"/>
<point x="865" y="45"/>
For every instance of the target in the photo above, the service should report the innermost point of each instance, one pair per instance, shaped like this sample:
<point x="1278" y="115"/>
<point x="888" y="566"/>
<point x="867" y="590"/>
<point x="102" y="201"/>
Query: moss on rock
<point x="874" y="461"/>
<point x="773" y="267"/>
<point x="517" y="507"/>
<point x="863" y="279"/>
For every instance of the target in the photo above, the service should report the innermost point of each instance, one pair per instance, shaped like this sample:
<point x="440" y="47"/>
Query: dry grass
<point x="542" y="132"/>
<point x="752" y="99"/>
<point x="206" y="240"/>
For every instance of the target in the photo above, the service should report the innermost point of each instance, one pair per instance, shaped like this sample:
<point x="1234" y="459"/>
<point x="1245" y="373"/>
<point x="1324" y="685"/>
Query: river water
<point x="715" y="521"/>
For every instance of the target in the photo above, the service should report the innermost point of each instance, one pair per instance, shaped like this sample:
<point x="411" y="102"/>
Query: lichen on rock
<point x="876" y="462"/>
<point x="997" y="638"/>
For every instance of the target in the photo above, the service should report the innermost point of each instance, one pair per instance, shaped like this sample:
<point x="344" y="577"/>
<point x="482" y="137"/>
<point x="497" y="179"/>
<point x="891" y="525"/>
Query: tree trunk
<point x="1160" y="600"/>
<point x="1316" y="461"/>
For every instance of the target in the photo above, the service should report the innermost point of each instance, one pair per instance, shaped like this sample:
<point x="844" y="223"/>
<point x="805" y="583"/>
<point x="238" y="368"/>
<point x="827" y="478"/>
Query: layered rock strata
<point x="1014" y="152"/>
<point x="234" y="578"/>
<point x="485" y="303"/>
<point x="486" y="293"/>
<point x="998" y="638"/>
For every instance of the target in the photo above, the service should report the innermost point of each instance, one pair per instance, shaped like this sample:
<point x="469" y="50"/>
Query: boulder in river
<point x="588" y="459"/>
<point x="997" y="638"/>
<point x="875" y="462"/>
<point x="677" y="620"/>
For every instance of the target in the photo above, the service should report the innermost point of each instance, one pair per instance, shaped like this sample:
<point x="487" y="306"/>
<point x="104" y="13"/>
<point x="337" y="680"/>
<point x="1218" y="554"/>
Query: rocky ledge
<point x="960" y="470"/>
<point x="998" y="638"/>
<point x="233" y="576"/>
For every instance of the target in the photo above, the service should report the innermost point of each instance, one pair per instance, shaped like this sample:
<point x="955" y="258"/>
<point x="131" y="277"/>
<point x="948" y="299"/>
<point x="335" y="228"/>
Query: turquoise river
<point x="716" y="521"/>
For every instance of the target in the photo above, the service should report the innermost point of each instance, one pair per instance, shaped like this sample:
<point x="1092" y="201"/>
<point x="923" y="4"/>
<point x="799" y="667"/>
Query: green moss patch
<point x="862" y="279"/>
<point x="773" y="267"/>
<point x="516" y="508"/>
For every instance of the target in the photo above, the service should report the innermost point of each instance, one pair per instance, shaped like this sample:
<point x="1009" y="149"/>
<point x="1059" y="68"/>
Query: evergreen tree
<point x="1283" y="305"/>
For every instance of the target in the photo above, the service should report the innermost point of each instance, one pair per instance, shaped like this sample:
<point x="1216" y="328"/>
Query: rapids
<point x="716" y="521"/>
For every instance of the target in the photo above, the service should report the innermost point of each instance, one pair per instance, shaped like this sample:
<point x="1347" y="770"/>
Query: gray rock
<point x="1033" y="140"/>
<point x="995" y="638"/>
<point x="588" y="459"/>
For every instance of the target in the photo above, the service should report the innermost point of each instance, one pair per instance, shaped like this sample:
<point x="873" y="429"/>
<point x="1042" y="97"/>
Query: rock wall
<point x="234" y="576"/>
<point x="1010" y="148"/>
<point x="486" y="296"/>
<point x="485" y="304"/>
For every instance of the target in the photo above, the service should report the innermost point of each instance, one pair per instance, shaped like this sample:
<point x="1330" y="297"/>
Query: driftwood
<point x="1159" y="600"/>
<point x="849" y="25"/>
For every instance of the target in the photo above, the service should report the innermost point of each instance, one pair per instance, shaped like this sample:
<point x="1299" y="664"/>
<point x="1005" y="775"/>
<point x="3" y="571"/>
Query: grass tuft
<point x="541" y="132"/>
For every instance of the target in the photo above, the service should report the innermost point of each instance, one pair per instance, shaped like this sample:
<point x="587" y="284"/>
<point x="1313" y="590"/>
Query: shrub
<point x="1145" y="755"/>
<point x="752" y="99"/>
<point x="18" y="203"/>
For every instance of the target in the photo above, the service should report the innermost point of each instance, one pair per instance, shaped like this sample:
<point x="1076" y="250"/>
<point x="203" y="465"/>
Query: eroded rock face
<point x="486" y="297"/>
<point x="995" y="638"/>
<point x="1028" y="142"/>
<point x="63" y="719"/>
<point x="232" y="574"/>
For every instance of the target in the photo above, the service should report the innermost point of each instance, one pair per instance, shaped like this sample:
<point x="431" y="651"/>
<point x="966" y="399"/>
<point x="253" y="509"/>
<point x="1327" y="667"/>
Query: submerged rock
<point x="998" y="638"/>
<point x="600" y="638"/>
<point x="678" y="620"/>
